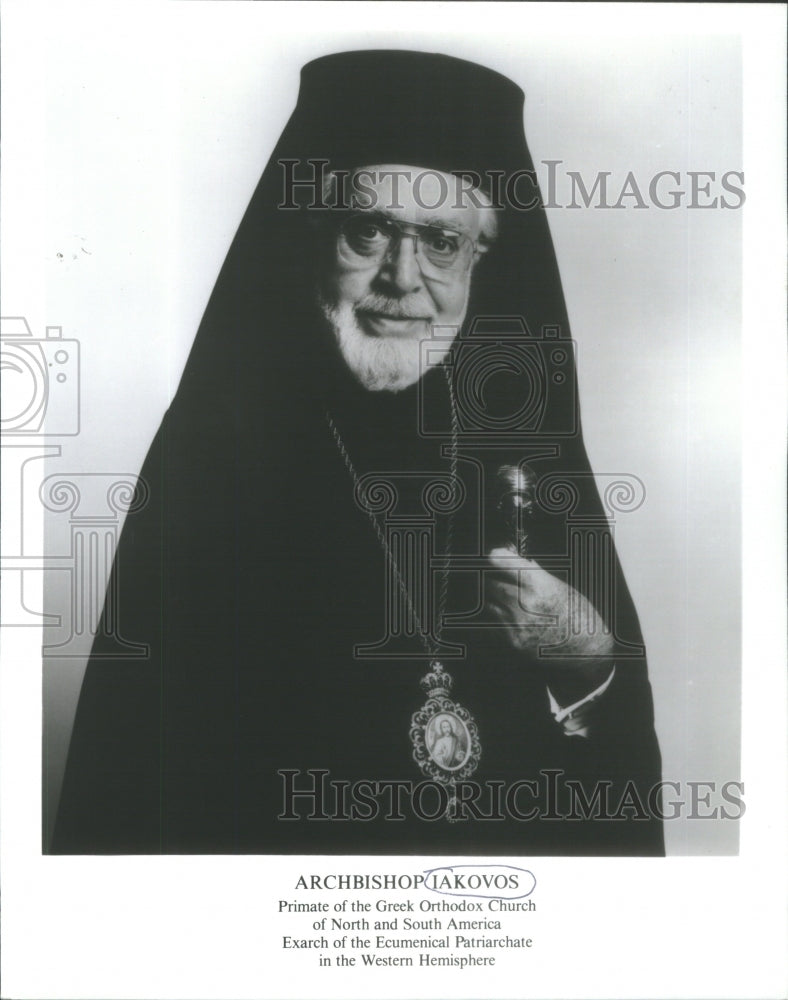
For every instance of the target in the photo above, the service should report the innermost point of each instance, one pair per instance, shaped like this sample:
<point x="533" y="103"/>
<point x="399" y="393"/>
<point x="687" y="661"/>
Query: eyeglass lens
<point x="374" y="238"/>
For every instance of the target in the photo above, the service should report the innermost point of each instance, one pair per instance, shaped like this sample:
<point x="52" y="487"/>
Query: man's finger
<point x="508" y="559"/>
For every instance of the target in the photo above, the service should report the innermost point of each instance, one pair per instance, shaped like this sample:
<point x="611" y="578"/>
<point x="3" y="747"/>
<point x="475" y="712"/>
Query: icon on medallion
<point x="448" y="741"/>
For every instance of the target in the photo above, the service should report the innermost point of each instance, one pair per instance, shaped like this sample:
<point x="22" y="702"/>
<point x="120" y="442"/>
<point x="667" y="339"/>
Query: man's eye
<point x="442" y="243"/>
<point x="366" y="232"/>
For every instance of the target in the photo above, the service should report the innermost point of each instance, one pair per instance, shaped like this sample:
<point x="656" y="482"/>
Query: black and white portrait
<point x="322" y="519"/>
<point x="375" y="501"/>
<point x="426" y="400"/>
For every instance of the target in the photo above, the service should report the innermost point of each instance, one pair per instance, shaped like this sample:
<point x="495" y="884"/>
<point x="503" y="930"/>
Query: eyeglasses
<point x="374" y="238"/>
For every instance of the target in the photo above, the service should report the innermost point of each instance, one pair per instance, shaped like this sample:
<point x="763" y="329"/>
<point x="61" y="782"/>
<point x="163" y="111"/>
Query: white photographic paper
<point x="134" y="139"/>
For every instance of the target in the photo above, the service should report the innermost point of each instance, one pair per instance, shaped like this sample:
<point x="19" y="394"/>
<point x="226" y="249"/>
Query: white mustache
<point x="395" y="308"/>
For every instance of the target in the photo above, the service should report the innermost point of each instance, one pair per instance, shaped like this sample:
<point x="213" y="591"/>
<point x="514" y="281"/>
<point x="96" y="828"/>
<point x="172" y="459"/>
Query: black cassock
<point x="254" y="572"/>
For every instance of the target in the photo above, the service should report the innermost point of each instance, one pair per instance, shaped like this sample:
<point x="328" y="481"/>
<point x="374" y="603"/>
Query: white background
<point x="134" y="136"/>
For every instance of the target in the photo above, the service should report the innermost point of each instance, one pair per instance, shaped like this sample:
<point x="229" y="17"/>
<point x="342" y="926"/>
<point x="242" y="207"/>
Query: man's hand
<point x="537" y="611"/>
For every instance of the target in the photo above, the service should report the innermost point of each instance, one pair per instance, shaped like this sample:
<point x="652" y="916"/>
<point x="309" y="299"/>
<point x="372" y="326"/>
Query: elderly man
<point x="353" y="529"/>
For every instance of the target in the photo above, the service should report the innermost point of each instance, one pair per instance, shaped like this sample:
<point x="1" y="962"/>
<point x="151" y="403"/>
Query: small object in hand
<point x="515" y="505"/>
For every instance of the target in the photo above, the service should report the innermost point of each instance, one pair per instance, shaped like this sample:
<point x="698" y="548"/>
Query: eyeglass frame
<point x="478" y="247"/>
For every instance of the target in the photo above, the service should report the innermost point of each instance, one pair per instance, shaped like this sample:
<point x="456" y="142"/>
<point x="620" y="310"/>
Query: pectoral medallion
<point x="444" y="735"/>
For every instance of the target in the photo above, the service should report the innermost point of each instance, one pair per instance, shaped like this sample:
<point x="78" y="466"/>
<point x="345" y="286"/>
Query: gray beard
<point x="379" y="364"/>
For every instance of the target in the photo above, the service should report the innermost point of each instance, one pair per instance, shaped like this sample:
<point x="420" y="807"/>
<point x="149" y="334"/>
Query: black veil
<point x="252" y="574"/>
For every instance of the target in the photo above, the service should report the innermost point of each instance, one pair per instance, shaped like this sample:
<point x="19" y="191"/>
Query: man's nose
<point x="401" y="268"/>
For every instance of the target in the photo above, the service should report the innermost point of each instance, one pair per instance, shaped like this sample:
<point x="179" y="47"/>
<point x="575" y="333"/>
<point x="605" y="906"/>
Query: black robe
<point x="253" y="574"/>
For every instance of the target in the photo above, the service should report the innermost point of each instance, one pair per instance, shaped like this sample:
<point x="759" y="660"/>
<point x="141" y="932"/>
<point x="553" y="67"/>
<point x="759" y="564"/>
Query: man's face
<point x="383" y="289"/>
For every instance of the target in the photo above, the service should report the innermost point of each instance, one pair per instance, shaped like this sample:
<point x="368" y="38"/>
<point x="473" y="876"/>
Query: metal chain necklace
<point x="444" y="735"/>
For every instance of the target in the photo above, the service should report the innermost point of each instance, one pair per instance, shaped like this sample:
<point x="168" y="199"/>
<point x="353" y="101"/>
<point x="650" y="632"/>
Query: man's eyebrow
<point x="438" y="221"/>
<point x="454" y="224"/>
